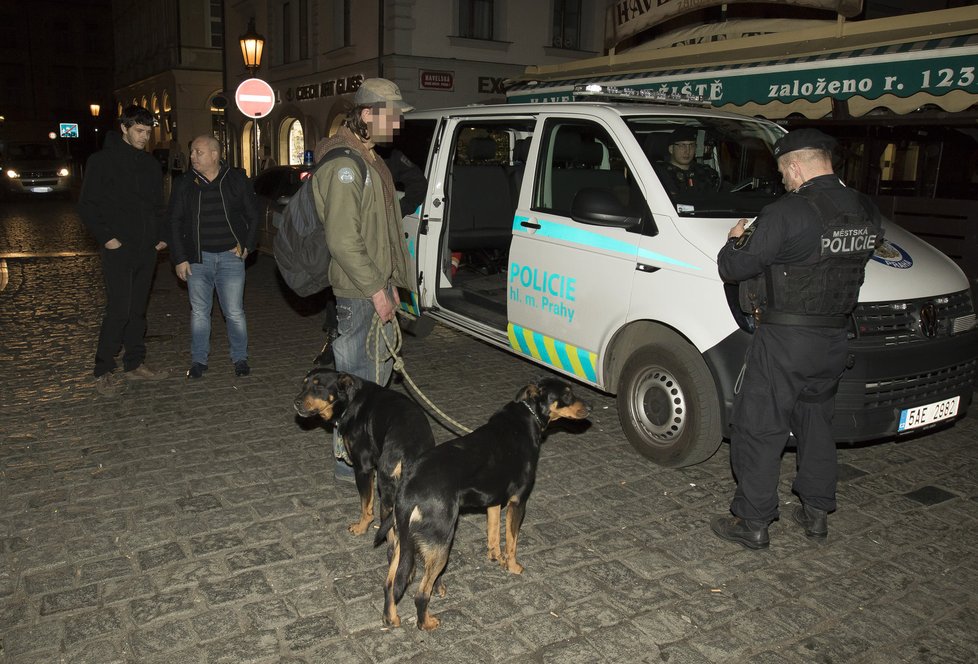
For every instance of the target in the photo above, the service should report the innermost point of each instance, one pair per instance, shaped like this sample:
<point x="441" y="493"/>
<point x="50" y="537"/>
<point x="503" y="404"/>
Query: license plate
<point x="42" y="190"/>
<point x="921" y="416"/>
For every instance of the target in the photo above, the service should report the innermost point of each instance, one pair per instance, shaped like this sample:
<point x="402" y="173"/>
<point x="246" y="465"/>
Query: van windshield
<point x="32" y="151"/>
<point x="711" y="167"/>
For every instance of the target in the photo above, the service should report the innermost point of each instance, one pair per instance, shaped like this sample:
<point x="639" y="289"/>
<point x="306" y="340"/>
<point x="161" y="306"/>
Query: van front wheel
<point x="668" y="405"/>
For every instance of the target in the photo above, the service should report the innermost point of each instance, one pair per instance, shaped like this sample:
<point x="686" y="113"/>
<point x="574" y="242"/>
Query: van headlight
<point x="63" y="172"/>
<point x="12" y="174"/>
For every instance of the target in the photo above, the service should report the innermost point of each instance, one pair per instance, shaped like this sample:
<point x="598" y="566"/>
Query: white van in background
<point x="570" y="251"/>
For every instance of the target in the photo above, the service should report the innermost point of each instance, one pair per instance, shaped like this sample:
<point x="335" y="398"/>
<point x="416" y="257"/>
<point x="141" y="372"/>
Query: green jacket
<point x="364" y="235"/>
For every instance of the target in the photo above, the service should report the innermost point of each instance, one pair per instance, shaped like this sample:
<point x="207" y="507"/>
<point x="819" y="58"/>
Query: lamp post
<point x="95" y="108"/>
<point x="252" y="45"/>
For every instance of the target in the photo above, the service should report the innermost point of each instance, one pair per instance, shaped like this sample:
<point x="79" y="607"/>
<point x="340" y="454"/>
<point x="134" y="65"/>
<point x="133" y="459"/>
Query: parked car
<point x="34" y="168"/>
<point x="273" y="188"/>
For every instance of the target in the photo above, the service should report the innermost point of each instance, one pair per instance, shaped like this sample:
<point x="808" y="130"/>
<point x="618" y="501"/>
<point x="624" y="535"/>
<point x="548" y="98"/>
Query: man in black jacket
<point x="214" y="221"/>
<point x="121" y="203"/>
<point x="799" y="267"/>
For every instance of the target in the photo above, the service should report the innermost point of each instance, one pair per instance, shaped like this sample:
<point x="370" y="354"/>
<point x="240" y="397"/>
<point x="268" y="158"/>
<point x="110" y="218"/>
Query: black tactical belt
<point x="780" y="318"/>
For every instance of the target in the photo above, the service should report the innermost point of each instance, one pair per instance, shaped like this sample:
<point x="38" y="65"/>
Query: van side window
<point x="578" y="155"/>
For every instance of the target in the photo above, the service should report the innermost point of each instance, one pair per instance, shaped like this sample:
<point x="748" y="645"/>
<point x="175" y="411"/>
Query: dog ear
<point x="528" y="393"/>
<point x="347" y="385"/>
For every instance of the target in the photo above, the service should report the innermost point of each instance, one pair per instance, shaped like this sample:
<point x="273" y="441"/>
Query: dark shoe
<point x="326" y="357"/>
<point x="814" y="521"/>
<point x="752" y="534"/>
<point x="142" y="372"/>
<point x="196" y="370"/>
<point x="109" y="385"/>
<point x="343" y="472"/>
<point x="241" y="368"/>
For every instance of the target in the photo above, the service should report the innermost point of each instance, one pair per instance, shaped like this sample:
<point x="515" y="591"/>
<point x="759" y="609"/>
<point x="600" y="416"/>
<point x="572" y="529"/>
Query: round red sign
<point x="254" y="98"/>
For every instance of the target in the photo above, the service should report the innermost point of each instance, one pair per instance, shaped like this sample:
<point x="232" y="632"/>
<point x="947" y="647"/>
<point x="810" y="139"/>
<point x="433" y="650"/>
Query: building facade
<point x="169" y="60"/>
<point x="440" y="52"/>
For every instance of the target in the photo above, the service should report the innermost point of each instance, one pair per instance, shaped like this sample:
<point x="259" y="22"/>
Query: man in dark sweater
<point x="214" y="221"/>
<point x="121" y="203"/>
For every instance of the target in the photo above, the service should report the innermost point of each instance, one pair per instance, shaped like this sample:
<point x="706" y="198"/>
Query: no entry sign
<point x="254" y="98"/>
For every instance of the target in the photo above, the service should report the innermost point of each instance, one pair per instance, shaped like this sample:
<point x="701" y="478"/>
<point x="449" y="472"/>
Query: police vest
<point x="823" y="289"/>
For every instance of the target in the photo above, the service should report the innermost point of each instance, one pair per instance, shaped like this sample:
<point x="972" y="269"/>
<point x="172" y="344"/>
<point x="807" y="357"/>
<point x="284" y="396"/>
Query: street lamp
<point x="252" y="45"/>
<point x="95" y="108"/>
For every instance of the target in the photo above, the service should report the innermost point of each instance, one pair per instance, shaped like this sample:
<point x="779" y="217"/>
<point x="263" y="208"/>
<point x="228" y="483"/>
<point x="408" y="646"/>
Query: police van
<point x="552" y="231"/>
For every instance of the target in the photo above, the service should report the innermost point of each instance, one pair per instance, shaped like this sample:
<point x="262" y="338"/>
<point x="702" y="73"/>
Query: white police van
<point x="547" y="231"/>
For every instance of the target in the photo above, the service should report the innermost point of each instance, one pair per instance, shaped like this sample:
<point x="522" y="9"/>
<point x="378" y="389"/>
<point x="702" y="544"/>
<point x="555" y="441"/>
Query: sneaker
<point x="196" y="370"/>
<point x="142" y="372"/>
<point x="109" y="385"/>
<point x="241" y="368"/>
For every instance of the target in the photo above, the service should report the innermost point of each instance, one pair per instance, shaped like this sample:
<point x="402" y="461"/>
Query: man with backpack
<point x="359" y="210"/>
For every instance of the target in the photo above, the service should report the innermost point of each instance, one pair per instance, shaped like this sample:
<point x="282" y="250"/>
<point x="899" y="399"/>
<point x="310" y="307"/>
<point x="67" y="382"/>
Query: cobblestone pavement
<point x="200" y="522"/>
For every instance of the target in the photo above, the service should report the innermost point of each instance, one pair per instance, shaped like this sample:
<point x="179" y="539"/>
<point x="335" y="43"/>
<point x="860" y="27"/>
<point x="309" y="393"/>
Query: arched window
<point x="295" y="143"/>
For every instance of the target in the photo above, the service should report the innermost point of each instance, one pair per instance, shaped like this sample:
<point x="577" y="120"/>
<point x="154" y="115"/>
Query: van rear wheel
<point x="668" y="404"/>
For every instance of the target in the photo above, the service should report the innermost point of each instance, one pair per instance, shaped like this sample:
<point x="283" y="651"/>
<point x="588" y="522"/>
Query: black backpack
<point x="300" y="243"/>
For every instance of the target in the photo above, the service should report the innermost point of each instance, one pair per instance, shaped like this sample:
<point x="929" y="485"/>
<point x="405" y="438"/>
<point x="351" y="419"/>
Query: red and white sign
<point x="255" y="98"/>
<point x="436" y="80"/>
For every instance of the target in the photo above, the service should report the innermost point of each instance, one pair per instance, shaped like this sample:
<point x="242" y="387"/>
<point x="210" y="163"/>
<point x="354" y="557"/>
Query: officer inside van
<point x="799" y="267"/>
<point x="681" y="173"/>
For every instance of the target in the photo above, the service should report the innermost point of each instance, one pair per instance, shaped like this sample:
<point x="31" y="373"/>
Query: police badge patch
<point x="345" y="175"/>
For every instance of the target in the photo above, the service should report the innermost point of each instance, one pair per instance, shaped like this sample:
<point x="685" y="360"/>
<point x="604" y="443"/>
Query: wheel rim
<point x="659" y="406"/>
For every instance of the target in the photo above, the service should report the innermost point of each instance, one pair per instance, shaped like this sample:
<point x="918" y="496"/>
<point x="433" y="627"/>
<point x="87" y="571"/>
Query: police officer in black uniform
<point x="682" y="174"/>
<point x="799" y="267"/>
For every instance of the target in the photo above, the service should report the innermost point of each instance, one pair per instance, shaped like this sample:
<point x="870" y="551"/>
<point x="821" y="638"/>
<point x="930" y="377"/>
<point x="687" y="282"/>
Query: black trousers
<point x="790" y="373"/>
<point x="128" y="278"/>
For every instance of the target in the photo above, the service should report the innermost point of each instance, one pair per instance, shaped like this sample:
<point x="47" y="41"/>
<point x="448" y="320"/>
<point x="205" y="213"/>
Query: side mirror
<point x="600" y="207"/>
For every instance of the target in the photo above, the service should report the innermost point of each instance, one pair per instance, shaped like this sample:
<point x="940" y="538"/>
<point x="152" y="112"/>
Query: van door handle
<point x="532" y="225"/>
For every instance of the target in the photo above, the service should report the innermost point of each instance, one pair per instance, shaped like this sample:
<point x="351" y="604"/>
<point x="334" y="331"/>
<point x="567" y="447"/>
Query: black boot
<point x="752" y="534"/>
<point x="325" y="357"/>
<point x="814" y="521"/>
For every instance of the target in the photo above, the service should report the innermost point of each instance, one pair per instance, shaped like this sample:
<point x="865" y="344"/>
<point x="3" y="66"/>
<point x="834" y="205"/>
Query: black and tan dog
<point x="384" y="432"/>
<point x="495" y="465"/>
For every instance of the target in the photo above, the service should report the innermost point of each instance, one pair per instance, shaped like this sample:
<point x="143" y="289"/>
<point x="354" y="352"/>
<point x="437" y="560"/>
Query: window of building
<point x="297" y="143"/>
<point x="567" y="24"/>
<point x="341" y="24"/>
<point x="303" y="29"/>
<point x="216" y="24"/>
<point x="475" y="19"/>
<point x="286" y="32"/>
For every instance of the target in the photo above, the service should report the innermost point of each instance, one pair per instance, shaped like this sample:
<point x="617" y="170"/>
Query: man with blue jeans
<point x="214" y="221"/>
<point x="357" y="203"/>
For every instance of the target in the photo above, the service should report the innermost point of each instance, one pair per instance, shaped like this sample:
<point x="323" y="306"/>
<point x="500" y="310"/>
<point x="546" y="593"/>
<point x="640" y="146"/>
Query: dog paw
<point x="358" y="527"/>
<point x="429" y="623"/>
<point x="394" y="621"/>
<point x="495" y="555"/>
<point x="513" y="567"/>
<point x="441" y="589"/>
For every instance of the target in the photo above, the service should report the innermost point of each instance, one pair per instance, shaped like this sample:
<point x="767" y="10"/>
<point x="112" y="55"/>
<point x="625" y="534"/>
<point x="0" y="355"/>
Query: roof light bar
<point x="615" y="93"/>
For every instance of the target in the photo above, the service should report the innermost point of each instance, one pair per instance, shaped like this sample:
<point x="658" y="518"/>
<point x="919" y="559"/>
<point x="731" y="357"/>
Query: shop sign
<point x="328" y="88"/>
<point x="934" y="72"/>
<point x="436" y="80"/>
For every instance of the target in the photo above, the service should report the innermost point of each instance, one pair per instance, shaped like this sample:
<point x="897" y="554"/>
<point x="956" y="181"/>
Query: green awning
<point x="899" y="77"/>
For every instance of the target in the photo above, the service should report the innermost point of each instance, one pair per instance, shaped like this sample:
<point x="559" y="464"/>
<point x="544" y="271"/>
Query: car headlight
<point x="63" y="172"/>
<point x="12" y="174"/>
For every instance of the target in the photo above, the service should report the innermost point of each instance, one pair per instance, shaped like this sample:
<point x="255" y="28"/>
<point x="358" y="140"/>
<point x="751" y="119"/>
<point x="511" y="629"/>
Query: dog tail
<point x="386" y="524"/>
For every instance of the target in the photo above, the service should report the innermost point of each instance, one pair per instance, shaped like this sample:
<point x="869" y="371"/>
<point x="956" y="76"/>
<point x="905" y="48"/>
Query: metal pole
<point x="254" y="147"/>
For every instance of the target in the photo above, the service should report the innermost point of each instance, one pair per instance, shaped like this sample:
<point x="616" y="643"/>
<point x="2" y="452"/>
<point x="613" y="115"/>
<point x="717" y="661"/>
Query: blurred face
<point x="204" y="156"/>
<point x="136" y="135"/>
<point x="384" y="122"/>
<point x="682" y="153"/>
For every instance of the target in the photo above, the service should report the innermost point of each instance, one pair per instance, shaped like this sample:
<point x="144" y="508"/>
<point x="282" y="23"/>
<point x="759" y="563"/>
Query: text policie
<point x="550" y="291"/>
